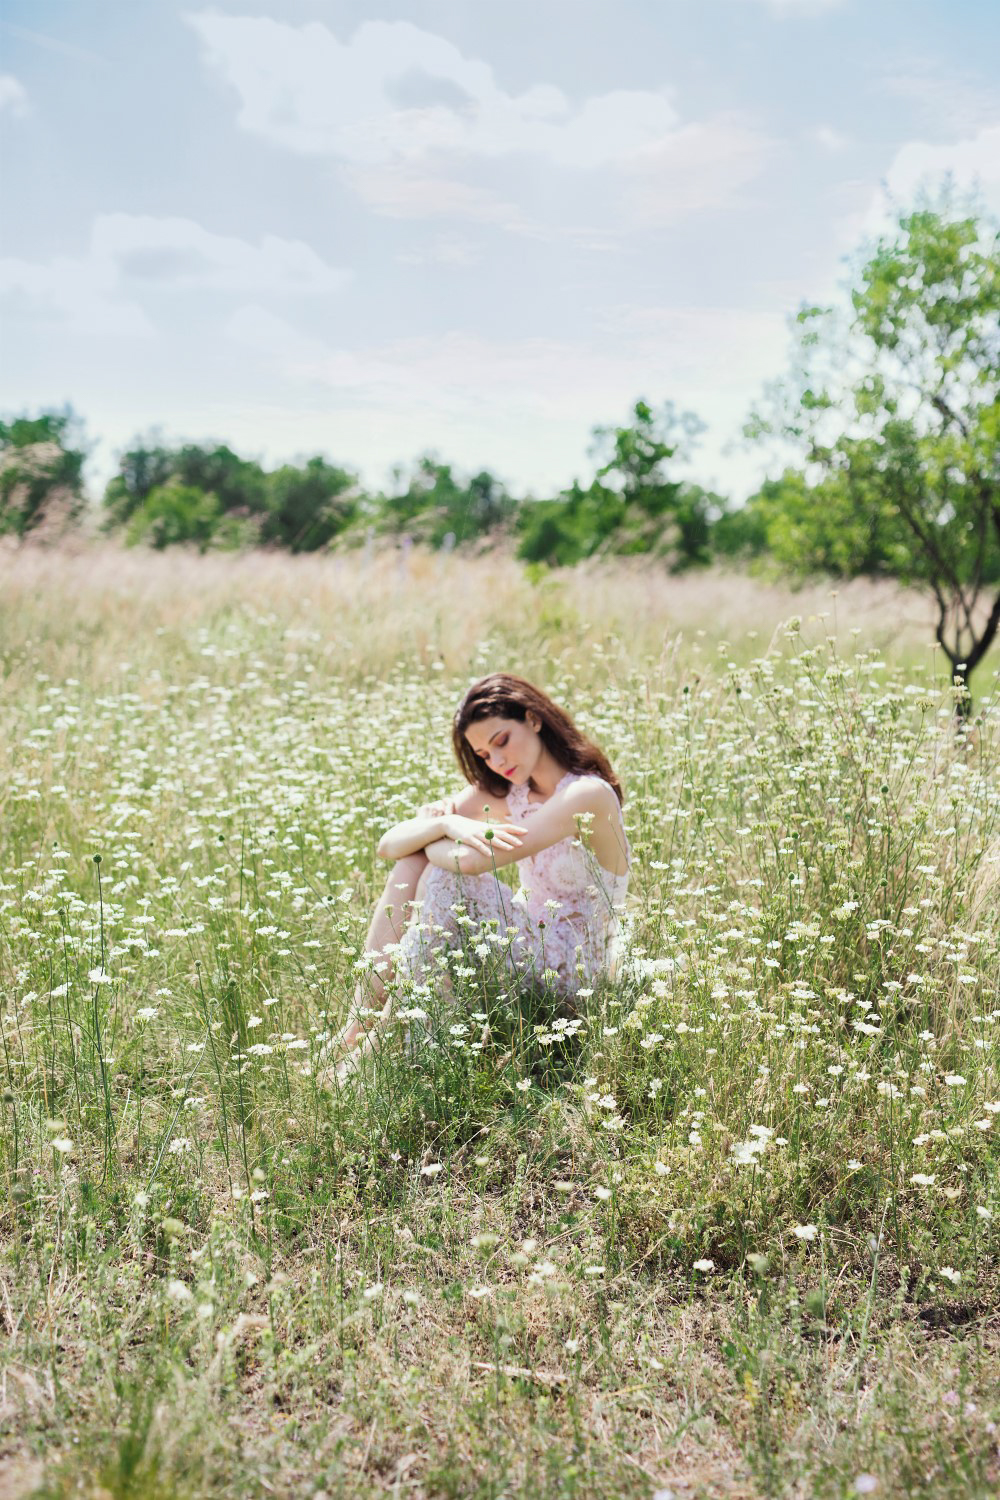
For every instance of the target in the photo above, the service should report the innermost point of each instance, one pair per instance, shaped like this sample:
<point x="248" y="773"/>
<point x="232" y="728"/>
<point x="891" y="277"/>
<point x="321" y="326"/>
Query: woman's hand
<point x="439" y="809"/>
<point x="476" y="835"/>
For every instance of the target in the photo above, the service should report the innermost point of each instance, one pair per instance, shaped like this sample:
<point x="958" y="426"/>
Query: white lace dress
<point x="565" y="918"/>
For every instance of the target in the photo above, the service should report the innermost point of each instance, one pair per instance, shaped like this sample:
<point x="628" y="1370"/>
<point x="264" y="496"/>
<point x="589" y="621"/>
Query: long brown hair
<point x="510" y="697"/>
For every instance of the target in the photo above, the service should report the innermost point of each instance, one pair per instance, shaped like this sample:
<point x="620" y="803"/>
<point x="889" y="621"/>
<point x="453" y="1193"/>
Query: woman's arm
<point x="556" y="819"/>
<point x="407" y="838"/>
<point x="431" y="826"/>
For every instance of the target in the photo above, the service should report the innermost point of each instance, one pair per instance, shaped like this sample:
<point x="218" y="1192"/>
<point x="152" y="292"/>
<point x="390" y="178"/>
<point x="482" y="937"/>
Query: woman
<point x="540" y="794"/>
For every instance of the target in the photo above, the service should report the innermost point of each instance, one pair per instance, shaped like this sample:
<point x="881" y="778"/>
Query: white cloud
<point x="955" y="104"/>
<point x="409" y="118"/>
<point x="130" y="255"/>
<point x="13" y="95"/>
<point x="396" y="93"/>
<point x="181" y="253"/>
<point x="401" y="191"/>
<point x="630" y="344"/>
<point x="831" y="140"/>
<point x="446" y="250"/>
<point x="973" y="163"/>
<point x="80" y="293"/>
<point x="696" y="167"/>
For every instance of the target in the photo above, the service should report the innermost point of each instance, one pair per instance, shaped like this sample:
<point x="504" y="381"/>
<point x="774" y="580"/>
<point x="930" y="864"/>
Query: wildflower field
<point x="732" y="1228"/>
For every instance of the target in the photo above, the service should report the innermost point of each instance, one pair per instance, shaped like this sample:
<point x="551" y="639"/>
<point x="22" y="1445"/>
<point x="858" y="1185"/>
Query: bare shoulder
<point x="591" y="794"/>
<point x="471" y="800"/>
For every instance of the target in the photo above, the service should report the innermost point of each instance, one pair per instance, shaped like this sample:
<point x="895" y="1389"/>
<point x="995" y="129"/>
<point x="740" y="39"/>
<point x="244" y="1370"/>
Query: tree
<point x="173" y="513"/>
<point x="238" y="484"/>
<point x="307" y="506"/>
<point x="437" y="504"/>
<point x="740" y="532"/>
<point x="811" y="528"/>
<point x="898" y="415"/>
<point x="631" y="505"/>
<point x="41" y="472"/>
<point x="488" y="507"/>
<point x="564" y="531"/>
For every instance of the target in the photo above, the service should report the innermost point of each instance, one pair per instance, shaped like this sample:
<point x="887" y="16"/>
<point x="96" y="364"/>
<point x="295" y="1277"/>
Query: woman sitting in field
<point x="540" y="794"/>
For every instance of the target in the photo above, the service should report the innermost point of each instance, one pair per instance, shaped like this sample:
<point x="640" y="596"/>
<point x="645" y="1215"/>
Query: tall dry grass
<point x="77" y="604"/>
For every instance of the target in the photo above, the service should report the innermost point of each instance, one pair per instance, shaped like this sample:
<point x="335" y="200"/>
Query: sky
<point x="375" y="230"/>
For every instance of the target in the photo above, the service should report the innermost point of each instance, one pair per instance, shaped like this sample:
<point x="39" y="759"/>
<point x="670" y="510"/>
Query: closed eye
<point x="484" y="755"/>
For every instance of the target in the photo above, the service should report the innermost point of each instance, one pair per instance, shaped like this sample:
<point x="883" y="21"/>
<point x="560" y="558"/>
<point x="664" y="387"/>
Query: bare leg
<point x="389" y="918"/>
<point x="365" y="1036"/>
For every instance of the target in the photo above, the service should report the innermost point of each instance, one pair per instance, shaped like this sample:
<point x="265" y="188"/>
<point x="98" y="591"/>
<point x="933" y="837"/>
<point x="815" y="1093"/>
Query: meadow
<point x="732" y="1228"/>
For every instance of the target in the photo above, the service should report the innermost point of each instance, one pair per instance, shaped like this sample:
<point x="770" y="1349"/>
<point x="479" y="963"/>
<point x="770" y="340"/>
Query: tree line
<point x="891" y="411"/>
<point x="208" y="496"/>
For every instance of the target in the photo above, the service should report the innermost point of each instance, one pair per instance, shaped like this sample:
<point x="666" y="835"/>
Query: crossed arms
<point x="588" y="799"/>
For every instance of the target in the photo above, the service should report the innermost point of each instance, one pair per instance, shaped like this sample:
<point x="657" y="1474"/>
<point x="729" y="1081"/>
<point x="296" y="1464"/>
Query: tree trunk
<point x="963" y="667"/>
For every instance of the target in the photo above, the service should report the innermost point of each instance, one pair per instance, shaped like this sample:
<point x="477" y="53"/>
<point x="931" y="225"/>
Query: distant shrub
<point x="40" y="473"/>
<point x="631" y="506"/>
<point x="174" y="513"/>
<point x="439" y="508"/>
<point x="308" y="506"/>
<point x="740" y="534"/>
<point x="238" y="484"/>
<point x="301" y="507"/>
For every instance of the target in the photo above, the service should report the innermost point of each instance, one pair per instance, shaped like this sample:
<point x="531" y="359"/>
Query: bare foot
<point x="349" y="1067"/>
<point x="346" y="1038"/>
<point x="333" y="1077"/>
<point x="336" y="1075"/>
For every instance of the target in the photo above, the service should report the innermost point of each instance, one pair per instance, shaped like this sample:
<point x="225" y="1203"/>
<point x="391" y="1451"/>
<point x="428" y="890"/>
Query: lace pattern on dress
<point x="566" y="916"/>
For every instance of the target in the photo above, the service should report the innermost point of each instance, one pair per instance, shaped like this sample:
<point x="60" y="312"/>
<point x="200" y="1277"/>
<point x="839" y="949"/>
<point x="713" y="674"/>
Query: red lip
<point x="508" y="774"/>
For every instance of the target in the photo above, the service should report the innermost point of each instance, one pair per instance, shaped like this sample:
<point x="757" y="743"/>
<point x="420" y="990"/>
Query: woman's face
<point x="509" y="747"/>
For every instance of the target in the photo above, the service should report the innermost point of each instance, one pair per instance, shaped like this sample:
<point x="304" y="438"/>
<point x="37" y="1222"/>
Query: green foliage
<point x="898" y="414"/>
<point x="40" y="471"/>
<point x="437" y="505"/>
<point x="631" y="506"/>
<point x="239" y="485"/>
<point x="575" y="526"/>
<point x="740" y="533"/>
<point x="172" y="513"/>
<point x="814" y="528"/>
<point x="308" y="506"/>
<point x="211" y="496"/>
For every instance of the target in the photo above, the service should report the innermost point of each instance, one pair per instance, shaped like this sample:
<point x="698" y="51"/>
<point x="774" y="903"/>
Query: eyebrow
<point x="492" y="737"/>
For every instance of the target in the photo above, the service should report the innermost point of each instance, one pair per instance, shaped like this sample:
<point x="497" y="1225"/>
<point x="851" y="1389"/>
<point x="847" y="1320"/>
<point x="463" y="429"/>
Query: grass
<point x="734" y="1233"/>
